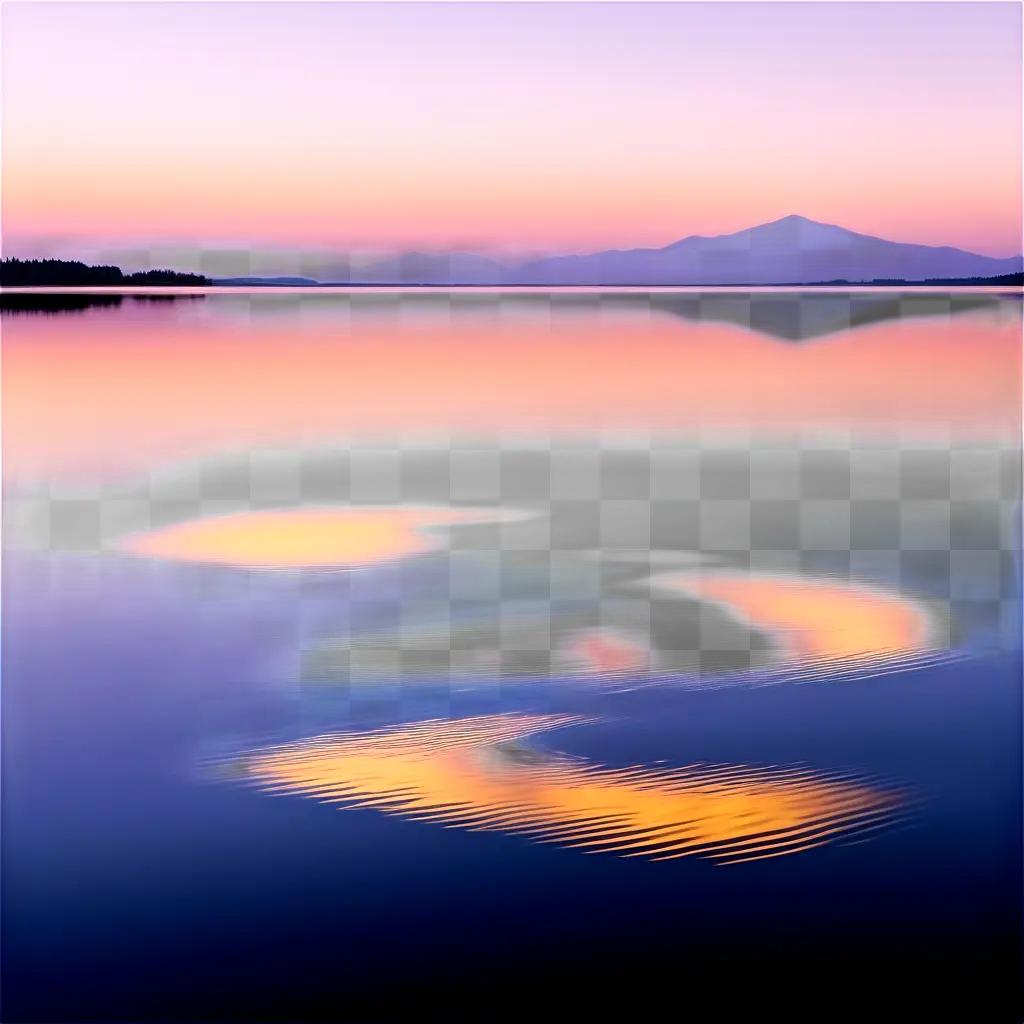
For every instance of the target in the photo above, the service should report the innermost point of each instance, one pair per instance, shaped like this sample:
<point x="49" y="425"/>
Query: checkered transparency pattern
<point x="564" y="587"/>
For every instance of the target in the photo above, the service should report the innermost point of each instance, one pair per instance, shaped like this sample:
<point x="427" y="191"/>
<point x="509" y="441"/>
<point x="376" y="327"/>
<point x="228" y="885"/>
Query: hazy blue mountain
<point x="792" y="250"/>
<point x="276" y="282"/>
<point x="431" y="268"/>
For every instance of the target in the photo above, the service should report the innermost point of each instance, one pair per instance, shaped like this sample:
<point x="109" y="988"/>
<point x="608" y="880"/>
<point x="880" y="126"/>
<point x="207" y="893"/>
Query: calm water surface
<point x="372" y="654"/>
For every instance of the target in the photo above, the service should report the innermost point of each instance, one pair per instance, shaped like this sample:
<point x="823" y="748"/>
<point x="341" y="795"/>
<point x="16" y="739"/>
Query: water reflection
<point x="804" y="316"/>
<point x="304" y="537"/>
<point x="823" y="624"/>
<point x="533" y="558"/>
<point x="702" y="506"/>
<point x="111" y="392"/>
<point x="477" y="774"/>
<point x="57" y="303"/>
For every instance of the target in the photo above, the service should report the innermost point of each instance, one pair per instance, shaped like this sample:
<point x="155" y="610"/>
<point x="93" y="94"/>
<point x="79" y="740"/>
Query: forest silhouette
<point x="27" y="273"/>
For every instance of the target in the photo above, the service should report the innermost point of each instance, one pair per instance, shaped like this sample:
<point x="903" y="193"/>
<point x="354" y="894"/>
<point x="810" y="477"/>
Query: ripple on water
<point x="474" y="773"/>
<point x="821" y="625"/>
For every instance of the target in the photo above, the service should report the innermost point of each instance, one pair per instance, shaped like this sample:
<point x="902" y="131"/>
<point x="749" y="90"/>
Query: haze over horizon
<point x="790" y="250"/>
<point x="282" y="128"/>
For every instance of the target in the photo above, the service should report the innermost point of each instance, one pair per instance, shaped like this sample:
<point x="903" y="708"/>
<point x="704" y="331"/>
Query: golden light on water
<point x="304" y="537"/>
<point x="814" y="620"/>
<point x="476" y="774"/>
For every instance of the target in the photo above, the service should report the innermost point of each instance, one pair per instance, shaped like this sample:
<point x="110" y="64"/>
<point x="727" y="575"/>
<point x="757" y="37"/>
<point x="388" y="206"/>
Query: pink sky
<point x="521" y="125"/>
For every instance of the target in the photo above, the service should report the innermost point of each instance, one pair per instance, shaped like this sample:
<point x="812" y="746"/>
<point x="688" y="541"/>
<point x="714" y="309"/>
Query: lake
<point x="372" y="653"/>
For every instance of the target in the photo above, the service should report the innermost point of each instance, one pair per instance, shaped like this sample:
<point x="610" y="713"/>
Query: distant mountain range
<point x="790" y="251"/>
<point x="793" y="250"/>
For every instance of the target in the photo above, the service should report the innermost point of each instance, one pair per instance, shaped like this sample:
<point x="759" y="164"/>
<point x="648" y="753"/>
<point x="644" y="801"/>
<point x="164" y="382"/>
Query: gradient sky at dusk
<point x="522" y="125"/>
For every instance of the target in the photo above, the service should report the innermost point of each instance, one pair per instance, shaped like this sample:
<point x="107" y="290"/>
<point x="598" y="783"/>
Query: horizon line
<point x="379" y="252"/>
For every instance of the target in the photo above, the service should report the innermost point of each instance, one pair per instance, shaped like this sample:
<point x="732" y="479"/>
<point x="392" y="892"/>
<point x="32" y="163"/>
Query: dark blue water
<point x="137" y="889"/>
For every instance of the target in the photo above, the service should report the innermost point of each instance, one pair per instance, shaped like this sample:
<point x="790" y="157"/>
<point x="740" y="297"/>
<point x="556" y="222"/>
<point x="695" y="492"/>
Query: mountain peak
<point x="791" y="250"/>
<point x="797" y="230"/>
<point x="793" y="218"/>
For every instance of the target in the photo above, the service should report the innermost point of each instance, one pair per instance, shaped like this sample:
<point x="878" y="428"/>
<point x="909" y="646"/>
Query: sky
<point x="516" y="127"/>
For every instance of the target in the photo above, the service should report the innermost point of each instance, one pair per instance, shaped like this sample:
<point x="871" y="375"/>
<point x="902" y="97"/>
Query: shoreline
<point x="1012" y="290"/>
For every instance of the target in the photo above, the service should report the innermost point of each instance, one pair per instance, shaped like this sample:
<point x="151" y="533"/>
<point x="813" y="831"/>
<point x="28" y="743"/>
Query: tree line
<point x="26" y="273"/>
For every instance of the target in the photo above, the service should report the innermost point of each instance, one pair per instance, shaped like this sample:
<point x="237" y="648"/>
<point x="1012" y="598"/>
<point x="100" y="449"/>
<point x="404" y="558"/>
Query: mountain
<point x="430" y="268"/>
<point x="793" y="250"/>
<point x="270" y="282"/>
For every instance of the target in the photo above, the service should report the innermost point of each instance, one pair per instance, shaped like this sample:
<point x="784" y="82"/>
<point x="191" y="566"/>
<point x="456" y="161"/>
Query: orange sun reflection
<point x="825" y="621"/>
<point x="304" y="537"/>
<point x="472" y="773"/>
